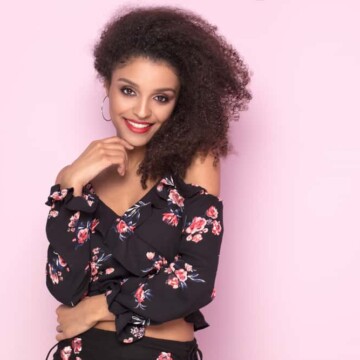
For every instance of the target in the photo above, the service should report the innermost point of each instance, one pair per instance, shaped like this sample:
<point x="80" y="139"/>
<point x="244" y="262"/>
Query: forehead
<point x="144" y="71"/>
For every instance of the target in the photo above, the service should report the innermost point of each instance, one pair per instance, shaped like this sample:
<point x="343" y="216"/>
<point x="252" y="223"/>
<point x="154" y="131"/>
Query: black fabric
<point x="96" y="344"/>
<point x="154" y="263"/>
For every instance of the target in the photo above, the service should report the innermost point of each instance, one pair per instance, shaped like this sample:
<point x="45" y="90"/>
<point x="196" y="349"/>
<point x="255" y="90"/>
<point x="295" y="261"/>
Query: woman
<point x="136" y="222"/>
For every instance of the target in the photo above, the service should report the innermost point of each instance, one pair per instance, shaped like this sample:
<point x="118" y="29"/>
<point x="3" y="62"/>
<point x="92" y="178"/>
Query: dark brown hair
<point x="213" y="80"/>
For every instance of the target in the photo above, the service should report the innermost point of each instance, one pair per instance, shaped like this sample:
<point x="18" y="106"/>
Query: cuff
<point x="87" y="202"/>
<point x="130" y="327"/>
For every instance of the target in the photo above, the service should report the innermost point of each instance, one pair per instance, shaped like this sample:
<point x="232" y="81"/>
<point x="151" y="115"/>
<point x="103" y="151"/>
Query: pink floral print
<point x="126" y="225"/>
<point x="81" y="229"/>
<point x="200" y="225"/>
<point x="156" y="261"/>
<point x="141" y="294"/>
<point x="96" y="263"/>
<point x="55" y="267"/>
<point x="175" y="203"/>
<point x="76" y="347"/>
<point x="179" y="276"/>
<point x="164" y="356"/>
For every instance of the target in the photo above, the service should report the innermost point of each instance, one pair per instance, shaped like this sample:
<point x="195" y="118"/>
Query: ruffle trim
<point x="130" y="327"/>
<point x="87" y="202"/>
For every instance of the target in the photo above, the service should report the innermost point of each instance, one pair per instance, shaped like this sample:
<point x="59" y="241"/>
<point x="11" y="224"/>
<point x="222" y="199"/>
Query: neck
<point x="135" y="157"/>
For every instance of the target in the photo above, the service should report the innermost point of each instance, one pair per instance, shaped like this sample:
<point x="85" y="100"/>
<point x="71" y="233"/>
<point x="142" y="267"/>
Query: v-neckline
<point x="152" y="188"/>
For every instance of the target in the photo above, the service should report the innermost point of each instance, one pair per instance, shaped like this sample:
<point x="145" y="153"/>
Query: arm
<point x="177" y="288"/>
<point x="202" y="171"/>
<point x="69" y="223"/>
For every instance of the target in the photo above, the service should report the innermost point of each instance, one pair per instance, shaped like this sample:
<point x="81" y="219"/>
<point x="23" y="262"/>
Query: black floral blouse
<point x="155" y="263"/>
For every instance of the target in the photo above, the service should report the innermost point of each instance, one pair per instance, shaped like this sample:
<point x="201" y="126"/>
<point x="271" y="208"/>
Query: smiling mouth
<point x="137" y="126"/>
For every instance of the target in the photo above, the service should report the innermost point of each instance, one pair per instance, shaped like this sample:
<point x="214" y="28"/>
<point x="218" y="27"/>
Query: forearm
<point x="99" y="309"/>
<point x="66" y="180"/>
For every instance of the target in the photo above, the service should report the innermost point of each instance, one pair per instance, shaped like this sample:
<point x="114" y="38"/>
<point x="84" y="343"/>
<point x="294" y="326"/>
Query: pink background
<point x="288" y="279"/>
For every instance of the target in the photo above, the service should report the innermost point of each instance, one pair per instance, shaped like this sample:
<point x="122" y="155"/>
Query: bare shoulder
<point x="203" y="172"/>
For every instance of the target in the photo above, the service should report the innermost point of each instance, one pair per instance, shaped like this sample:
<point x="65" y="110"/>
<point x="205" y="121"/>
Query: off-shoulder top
<point x="155" y="263"/>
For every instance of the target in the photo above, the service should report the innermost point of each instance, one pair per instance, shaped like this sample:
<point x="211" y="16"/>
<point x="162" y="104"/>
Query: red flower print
<point x="198" y="224"/>
<point x="59" y="195"/>
<point x="164" y="356"/>
<point x="179" y="277"/>
<point x="122" y="227"/>
<point x="216" y="229"/>
<point x="170" y="218"/>
<point x="62" y="262"/>
<point x="176" y="198"/>
<point x="109" y="271"/>
<point x="139" y="294"/>
<point x="83" y="235"/>
<point x="53" y="275"/>
<point x="212" y="212"/>
<point x="195" y="238"/>
<point x="181" y="274"/>
<point x="93" y="225"/>
<point x="74" y="218"/>
<point x="76" y="345"/>
<point x="158" y="264"/>
<point x="65" y="353"/>
<point x="173" y="281"/>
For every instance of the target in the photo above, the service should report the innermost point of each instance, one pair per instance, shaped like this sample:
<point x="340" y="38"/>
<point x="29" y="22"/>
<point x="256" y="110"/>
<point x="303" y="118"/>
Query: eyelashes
<point x="124" y="89"/>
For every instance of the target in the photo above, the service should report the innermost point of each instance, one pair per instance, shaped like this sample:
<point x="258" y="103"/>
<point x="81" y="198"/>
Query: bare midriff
<point x="178" y="329"/>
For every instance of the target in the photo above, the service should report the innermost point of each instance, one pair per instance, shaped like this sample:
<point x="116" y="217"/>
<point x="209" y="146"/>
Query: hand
<point x="75" y="320"/>
<point x="99" y="155"/>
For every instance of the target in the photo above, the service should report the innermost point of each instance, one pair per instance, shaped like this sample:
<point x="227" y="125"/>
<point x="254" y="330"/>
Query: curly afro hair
<point x="213" y="80"/>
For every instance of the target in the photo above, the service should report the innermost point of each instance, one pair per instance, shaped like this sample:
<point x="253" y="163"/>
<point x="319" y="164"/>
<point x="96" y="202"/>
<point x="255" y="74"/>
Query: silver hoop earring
<point x="102" y="110"/>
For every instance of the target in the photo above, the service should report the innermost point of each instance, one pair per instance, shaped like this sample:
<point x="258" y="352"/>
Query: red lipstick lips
<point x="138" y="127"/>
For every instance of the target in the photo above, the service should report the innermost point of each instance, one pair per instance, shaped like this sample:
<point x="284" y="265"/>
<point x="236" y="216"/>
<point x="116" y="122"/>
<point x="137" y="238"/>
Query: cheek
<point x="165" y="112"/>
<point x="118" y="105"/>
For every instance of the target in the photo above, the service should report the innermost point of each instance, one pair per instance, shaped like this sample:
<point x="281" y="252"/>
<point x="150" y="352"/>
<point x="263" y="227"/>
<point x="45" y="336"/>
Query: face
<point x="142" y="96"/>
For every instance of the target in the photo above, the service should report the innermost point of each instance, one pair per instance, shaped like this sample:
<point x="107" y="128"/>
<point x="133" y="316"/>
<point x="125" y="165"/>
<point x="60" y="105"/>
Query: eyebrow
<point x="135" y="85"/>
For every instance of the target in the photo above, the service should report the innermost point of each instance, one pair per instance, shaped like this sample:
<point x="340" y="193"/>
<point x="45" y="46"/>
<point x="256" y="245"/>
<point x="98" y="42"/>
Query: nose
<point x="142" y="109"/>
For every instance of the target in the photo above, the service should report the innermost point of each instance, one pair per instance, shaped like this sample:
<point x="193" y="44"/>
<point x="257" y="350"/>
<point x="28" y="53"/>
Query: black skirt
<point x="95" y="344"/>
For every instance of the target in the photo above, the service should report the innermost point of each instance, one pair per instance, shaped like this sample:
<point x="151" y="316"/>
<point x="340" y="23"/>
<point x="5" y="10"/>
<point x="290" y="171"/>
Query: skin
<point x="110" y="164"/>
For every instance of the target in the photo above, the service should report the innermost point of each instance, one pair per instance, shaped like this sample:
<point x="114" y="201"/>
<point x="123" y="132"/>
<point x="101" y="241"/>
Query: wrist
<point x="68" y="179"/>
<point x="100" y="310"/>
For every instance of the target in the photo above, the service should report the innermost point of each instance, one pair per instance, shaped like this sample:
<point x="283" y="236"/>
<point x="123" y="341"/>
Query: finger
<point x="116" y="158"/>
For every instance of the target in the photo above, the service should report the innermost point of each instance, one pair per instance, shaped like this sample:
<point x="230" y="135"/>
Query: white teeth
<point x="140" y="126"/>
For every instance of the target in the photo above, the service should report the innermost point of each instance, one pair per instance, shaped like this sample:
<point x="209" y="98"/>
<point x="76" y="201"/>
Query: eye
<point x="164" y="98"/>
<point x="124" y="91"/>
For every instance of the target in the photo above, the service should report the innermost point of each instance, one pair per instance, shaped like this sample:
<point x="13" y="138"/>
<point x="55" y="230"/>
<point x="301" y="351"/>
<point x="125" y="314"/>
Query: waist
<point x="177" y="329"/>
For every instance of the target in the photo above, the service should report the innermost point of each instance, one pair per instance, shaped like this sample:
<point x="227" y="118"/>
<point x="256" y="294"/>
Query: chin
<point x="137" y="140"/>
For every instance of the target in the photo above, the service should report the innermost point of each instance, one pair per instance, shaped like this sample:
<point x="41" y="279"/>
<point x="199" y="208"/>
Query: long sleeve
<point x="176" y="288"/>
<point x="69" y="225"/>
